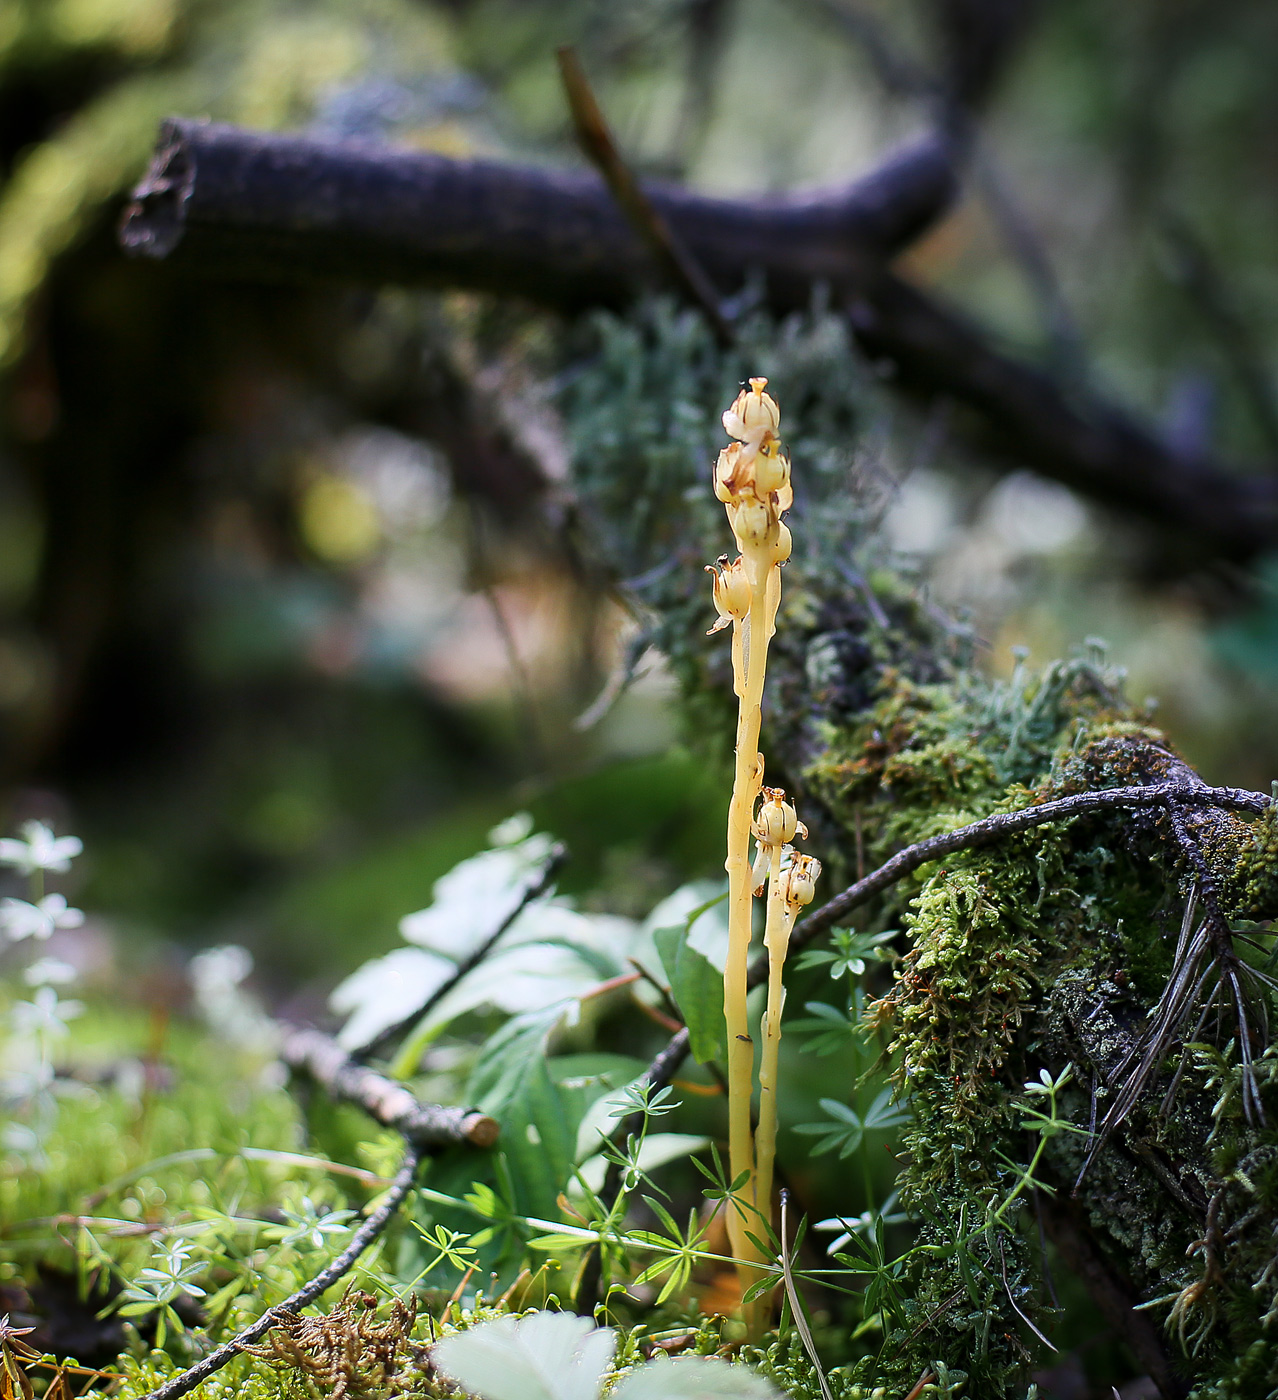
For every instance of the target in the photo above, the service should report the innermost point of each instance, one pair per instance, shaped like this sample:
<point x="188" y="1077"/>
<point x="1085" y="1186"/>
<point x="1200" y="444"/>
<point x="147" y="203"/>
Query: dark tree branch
<point x="372" y="1227"/>
<point x="1029" y="419"/>
<point x="258" y="205"/>
<point x="1001" y="824"/>
<point x="1207" y="289"/>
<point x="429" y="1127"/>
<point x="248" y="204"/>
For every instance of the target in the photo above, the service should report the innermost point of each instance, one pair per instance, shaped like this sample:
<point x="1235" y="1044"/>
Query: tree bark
<point x="261" y="206"/>
<point x="257" y="205"/>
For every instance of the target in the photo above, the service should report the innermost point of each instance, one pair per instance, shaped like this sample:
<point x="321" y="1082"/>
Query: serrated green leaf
<point x="697" y="987"/>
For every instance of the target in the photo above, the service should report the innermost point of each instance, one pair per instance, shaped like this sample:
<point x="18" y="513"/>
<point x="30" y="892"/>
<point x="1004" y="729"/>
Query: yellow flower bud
<point x="752" y="414"/>
<point x="752" y="522"/>
<point x="771" y="467"/>
<point x="784" y="543"/>
<point x="731" y="591"/>
<point x="798" y="880"/>
<point x="776" y="821"/>
<point x="726" y="471"/>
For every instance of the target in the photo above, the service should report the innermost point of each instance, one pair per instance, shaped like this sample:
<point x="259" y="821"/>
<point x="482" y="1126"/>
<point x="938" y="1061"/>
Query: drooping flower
<point x="798" y="880"/>
<point x="776" y="821"/>
<point x="731" y="590"/>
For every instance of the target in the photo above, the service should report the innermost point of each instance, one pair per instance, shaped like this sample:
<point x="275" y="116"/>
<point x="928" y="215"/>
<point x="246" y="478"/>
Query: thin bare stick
<point x="796" y="1303"/>
<point x="429" y="1126"/>
<point x="596" y="142"/>
<point x="369" y="1231"/>
<point x="1002" y="824"/>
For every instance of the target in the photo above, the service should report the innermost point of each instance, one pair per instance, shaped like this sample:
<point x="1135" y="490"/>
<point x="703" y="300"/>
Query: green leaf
<point x="697" y="987"/>
<point x="539" y="1356"/>
<point x="553" y="1244"/>
<point x="693" y="1378"/>
<point x="513" y="1081"/>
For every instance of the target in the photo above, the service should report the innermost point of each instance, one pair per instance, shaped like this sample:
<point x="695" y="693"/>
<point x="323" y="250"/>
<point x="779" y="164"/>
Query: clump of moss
<point x="1046" y="950"/>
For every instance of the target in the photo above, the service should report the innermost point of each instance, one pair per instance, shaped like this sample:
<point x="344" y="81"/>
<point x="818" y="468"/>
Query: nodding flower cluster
<point x="775" y="825"/>
<point x="752" y="479"/>
<point x="752" y="475"/>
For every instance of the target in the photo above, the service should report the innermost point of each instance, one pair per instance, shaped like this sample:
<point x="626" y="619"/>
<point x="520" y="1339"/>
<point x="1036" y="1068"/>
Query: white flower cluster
<point x="29" y="1085"/>
<point x="33" y="853"/>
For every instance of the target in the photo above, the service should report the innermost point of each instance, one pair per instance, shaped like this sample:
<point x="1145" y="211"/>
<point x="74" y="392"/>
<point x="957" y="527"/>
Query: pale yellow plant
<point x="752" y="479"/>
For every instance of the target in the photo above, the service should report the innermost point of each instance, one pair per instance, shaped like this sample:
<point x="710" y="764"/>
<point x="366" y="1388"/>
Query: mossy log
<point x="1125" y="944"/>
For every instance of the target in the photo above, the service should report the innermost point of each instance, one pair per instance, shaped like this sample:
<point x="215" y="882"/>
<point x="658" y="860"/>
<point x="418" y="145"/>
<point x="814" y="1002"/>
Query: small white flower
<point x="20" y="919"/>
<point x="45" y="1014"/>
<point x="39" y="849"/>
<point x="49" y="972"/>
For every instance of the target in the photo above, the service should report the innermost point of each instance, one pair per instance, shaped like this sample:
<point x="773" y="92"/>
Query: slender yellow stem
<point x="757" y="627"/>
<point x="776" y="938"/>
<point x="752" y="480"/>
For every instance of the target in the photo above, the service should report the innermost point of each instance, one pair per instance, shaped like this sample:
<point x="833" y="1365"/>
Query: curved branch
<point x="259" y="205"/>
<point x="1002" y="824"/>
<point x="372" y="1227"/>
<point x="428" y="1126"/>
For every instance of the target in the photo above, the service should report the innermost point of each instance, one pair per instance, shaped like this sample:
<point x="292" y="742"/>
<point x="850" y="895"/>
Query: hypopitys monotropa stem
<point x="752" y="479"/>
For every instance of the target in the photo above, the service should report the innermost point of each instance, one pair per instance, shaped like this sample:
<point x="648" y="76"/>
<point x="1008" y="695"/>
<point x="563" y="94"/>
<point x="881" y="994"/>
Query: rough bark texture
<point x="429" y="1126"/>
<point x="254" y="205"/>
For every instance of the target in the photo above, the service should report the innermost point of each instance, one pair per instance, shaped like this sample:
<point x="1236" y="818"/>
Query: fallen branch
<point x="262" y="206"/>
<point x="428" y="1127"/>
<point x="372" y="1227"/>
<point x="259" y="205"/>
